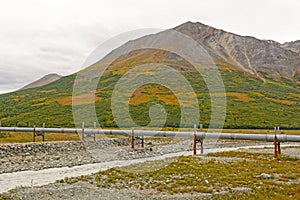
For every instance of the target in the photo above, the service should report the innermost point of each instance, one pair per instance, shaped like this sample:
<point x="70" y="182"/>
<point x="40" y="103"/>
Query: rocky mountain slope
<point x="43" y="81"/>
<point x="248" y="54"/>
<point x="293" y="46"/>
<point x="262" y="58"/>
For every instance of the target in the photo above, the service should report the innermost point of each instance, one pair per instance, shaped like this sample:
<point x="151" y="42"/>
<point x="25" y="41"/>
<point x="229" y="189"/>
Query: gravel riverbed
<point x="37" y="156"/>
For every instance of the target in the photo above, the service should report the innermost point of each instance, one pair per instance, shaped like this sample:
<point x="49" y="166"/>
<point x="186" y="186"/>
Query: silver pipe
<point x="199" y="135"/>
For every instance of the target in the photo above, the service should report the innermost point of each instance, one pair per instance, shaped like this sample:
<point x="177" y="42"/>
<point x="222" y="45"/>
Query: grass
<point x="17" y="137"/>
<point x="193" y="174"/>
<point x="258" y="131"/>
<point x="7" y="195"/>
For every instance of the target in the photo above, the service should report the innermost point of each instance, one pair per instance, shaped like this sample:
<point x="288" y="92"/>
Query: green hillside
<point x="251" y="103"/>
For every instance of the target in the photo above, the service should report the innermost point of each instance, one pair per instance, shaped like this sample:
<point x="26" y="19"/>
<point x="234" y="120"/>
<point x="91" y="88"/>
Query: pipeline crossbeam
<point x="199" y="135"/>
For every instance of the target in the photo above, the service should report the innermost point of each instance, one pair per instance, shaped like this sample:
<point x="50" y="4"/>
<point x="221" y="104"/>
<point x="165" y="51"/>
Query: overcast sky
<point x="55" y="36"/>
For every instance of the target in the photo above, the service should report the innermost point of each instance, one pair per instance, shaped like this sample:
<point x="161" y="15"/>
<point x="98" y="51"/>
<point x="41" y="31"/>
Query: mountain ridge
<point x="49" y="78"/>
<point x="247" y="53"/>
<point x="262" y="58"/>
<point x="242" y="61"/>
<point x="293" y="46"/>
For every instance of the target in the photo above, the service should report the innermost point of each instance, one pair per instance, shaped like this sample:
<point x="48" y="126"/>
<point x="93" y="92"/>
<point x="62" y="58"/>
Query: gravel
<point x="36" y="156"/>
<point x="84" y="190"/>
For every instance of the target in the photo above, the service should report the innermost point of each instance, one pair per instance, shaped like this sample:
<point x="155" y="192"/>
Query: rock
<point x="241" y="189"/>
<point x="266" y="176"/>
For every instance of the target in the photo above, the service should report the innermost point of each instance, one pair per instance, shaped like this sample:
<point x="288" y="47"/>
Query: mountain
<point x="261" y="80"/>
<point x="42" y="81"/>
<point x="293" y="46"/>
<point x="248" y="54"/>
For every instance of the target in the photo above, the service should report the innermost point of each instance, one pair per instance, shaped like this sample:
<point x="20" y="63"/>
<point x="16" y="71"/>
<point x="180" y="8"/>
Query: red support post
<point x="195" y="144"/>
<point x="195" y="139"/>
<point x="82" y="132"/>
<point x="142" y="141"/>
<point x="43" y="133"/>
<point x="275" y="147"/>
<point x="132" y="138"/>
<point x="278" y="143"/>
<point x="143" y="145"/>
<point x="95" y="126"/>
<point x="201" y="142"/>
<point x="33" y="136"/>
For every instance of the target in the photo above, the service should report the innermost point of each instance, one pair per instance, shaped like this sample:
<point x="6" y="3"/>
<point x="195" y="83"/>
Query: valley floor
<point x="140" y="180"/>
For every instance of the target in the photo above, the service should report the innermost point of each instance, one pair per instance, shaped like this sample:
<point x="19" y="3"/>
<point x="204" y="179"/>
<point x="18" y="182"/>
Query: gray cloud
<point x="41" y="37"/>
